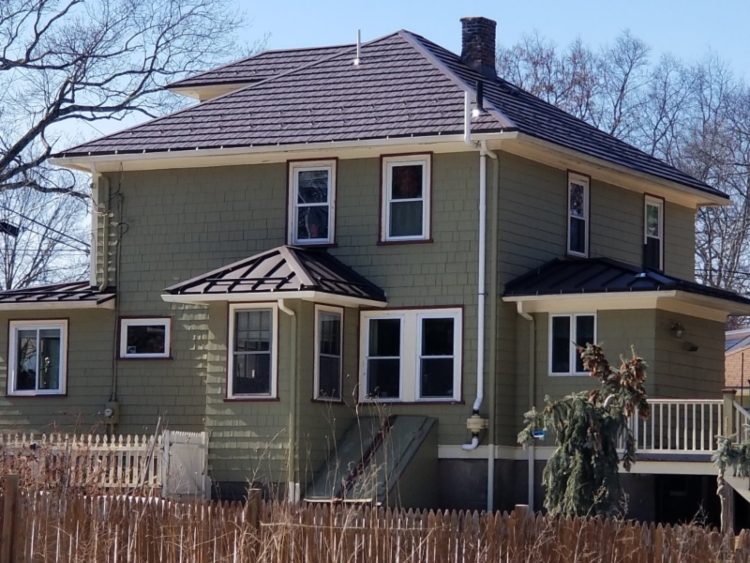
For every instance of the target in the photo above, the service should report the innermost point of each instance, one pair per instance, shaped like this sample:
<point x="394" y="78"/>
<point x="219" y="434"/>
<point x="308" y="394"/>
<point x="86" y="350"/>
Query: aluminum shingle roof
<point x="405" y="86"/>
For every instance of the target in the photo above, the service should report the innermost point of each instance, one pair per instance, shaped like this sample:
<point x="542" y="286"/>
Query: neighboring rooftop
<point x="404" y="87"/>
<point x="75" y="295"/>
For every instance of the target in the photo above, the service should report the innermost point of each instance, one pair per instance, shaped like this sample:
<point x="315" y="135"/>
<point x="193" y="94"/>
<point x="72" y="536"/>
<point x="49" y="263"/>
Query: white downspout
<point x="532" y="398"/>
<point x="480" y="423"/>
<point x="293" y="486"/>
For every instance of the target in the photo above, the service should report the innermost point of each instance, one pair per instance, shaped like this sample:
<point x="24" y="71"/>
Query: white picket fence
<point x="174" y="462"/>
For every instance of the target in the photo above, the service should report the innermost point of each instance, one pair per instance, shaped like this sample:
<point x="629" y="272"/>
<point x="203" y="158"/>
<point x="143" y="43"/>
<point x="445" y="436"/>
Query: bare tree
<point x="64" y="63"/>
<point x="43" y="238"/>
<point x="696" y="118"/>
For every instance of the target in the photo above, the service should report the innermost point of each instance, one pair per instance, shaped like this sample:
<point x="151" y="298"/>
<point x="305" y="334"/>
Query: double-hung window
<point x="252" y="346"/>
<point x="578" y="215"/>
<point x="312" y="202"/>
<point x="411" y="355"/>
<point x="653" y="233"/>
<point x="328" y="347"/>
<point x="405" y="214"/>
<point x="567" y="333"/>
<point x="37" y="357"/>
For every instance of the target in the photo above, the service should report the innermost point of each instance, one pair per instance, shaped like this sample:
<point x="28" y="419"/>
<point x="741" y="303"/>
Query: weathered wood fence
<point x="45" y="526"/>
<point x="173" y="462"/>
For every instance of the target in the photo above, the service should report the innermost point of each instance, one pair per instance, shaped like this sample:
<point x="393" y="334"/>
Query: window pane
<point x="383" y="378"/>
<point x="406" y="219"/>
<point x="312" y="222"/>
<point x="436" y="377"/>
<point x="578" y="235"/>
<point x="330" y="333"/>
<point x="437" y="337"/>
<point x="253" y="331"/>
<point x="652" y="221"/>
<point x="652" y="253"/>
<point x="385" y="337"/>
<point x="560" y="344"/>
<point x="252" y="374"/>
<point x="49" y="359"/>
<point x="329" y="378"/>
<point x="584" y="335"/>
<point x="26" y="360"/>
<point x="146" y="339"/>
<point x="312" y="186"/>
<point x="406" y="181"/>
<point x="577" y="205"/>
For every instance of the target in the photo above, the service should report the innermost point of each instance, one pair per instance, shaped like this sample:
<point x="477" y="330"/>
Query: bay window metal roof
<point x="75" y="295"/>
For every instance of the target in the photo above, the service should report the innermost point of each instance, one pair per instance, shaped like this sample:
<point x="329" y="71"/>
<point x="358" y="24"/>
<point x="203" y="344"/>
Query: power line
<point x="86" y="246"/>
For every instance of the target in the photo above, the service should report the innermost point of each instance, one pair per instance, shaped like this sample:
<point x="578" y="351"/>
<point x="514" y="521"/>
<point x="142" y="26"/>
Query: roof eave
<point x="321" y="297"/>
<point x="541" y="150"/>
<point x="57" y="305"/>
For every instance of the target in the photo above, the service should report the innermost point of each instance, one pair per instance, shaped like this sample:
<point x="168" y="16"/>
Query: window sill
<point x="35" y="395"/>
<point x="327" y="401"/>
<point x="144" y="358"/>
<point x="251" y="399"/>
<point x="365" y="402"/>
<point x="399" y="242"/>
<point x="577" y="374"/>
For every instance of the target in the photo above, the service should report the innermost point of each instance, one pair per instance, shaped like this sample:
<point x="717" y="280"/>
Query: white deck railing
<point x="679" y="426"/>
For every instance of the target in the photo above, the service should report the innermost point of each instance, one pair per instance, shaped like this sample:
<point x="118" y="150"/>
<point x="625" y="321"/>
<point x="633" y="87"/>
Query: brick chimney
<point x="478" y="45"/>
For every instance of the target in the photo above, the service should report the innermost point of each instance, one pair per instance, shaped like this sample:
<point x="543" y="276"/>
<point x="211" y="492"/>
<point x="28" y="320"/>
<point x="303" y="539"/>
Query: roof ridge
<point x="416" y="41"/>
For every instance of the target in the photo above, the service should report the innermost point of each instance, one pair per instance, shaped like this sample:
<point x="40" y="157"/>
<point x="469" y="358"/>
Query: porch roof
<point x="285" y="272"/>
<point x="75" y="295"/>
<point x="599" y="279"/>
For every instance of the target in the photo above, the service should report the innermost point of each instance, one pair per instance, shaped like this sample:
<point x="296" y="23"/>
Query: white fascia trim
<point x="707" y="198"/>
<point x="58" y="305"/>
<point x="512" y="453"/>
<point x="315" y="296"/>
<point x="83" y="162"/>
<point x="674" y="301"/>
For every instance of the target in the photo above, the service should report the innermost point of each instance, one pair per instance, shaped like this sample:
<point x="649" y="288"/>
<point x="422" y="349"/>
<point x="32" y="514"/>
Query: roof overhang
<point x="675" y="301"/>
<point x="204" y="92"/>
<point x="321" y="297"/>
<point x="560" y="157"/>
<point x="56" y="305"/>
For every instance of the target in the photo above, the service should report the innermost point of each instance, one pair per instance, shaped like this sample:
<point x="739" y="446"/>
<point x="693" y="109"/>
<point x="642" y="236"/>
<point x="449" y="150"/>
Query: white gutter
<point x="266" y="297"/>
<point x="93" y="258"/>
<point x="532" y="398"/>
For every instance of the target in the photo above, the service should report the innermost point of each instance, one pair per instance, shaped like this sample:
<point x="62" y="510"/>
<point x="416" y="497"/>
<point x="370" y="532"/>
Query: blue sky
<point x="689" y="29"/>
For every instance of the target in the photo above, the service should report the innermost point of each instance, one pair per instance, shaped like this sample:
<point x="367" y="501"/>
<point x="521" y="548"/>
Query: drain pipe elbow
<point x="473" y="445"/>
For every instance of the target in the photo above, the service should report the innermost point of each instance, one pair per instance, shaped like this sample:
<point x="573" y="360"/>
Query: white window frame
<point x="572" y="352"/>
<point x="13" y="328"/>
<point x="340" y="312"/>
<point x="659" y="204"/>
<point x="411" y="349"/>
<point x="580" y="179"/>
<point x="126" y="323"/>
<point x="389" y="162"/>
<point x="295" y="167"/>
<point x="239" y="307"/>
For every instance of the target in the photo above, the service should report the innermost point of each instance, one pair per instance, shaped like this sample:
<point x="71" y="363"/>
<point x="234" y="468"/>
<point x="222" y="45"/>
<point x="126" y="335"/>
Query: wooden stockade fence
<point x="112" y="462"/>
<point x="45" y="526"/>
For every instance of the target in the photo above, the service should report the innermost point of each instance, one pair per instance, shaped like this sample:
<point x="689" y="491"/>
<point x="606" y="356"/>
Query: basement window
<point x="145" y="338"/>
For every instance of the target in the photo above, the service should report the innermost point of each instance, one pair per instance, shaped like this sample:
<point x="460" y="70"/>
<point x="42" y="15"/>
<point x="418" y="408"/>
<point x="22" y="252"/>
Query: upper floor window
<point x="405" y="214"/>
<point x="252" y="351"/>
<point x="567" y="333"/>
<point x="653" y="233"/>
<point x="37" y="357"/>
<point x="328" y="340"/>
<point x="411" y="355"/>
<point x="578" y="215"/>
<point x="312" y="202"/>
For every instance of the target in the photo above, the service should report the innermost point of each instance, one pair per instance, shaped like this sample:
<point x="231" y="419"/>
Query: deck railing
<point x="679" y="426"/>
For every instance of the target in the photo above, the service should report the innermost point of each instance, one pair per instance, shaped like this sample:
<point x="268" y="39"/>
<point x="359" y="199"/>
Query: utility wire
<point x="86" y="246"/>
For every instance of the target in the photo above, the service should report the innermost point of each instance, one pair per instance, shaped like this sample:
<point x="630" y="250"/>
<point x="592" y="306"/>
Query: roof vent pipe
<point x="359" y="41"/>
<point x="478" y="45"/>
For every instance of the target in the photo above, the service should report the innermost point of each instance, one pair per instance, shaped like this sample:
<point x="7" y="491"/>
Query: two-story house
<point x="386" y="232"/>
